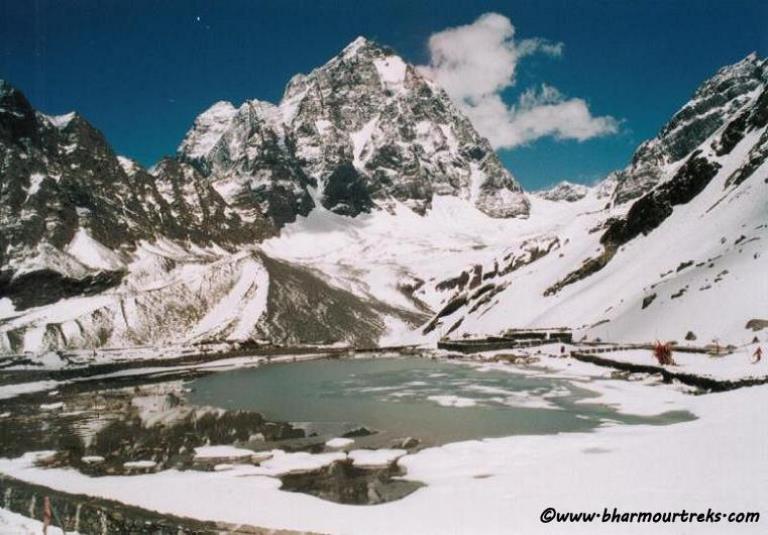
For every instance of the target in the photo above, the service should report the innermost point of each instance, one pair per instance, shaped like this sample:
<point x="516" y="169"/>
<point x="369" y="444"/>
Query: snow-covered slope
<point x="687" y="256"/>
<point x="175" y="295"/>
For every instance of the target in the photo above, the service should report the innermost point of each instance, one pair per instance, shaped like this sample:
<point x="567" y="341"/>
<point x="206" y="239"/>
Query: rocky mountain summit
<point x="565" y="191"/>
<point x="729" y="95"/>
<point x="360" y="132"/>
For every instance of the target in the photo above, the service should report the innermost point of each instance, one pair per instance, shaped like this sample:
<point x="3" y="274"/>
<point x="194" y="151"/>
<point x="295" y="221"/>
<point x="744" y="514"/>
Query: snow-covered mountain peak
<point x="131" y="167"/>
<point x="357" y="44"/>
<point x="359" y="50"/>
<point x="362" y="54"/>
<point x="61" y="121"/>
<point x="358" y="133"/>
<point x="361" y="46"/>
<point x="750" y="71"/>
<point x="564" y="191"/>
<point x="207" y="130"/>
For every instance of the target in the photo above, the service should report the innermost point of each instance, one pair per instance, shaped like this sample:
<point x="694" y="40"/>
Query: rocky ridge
<point x="723" y="99"/>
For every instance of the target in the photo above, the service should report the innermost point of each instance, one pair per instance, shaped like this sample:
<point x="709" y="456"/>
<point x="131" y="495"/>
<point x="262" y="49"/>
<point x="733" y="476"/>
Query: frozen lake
<point x="434" y="401"/>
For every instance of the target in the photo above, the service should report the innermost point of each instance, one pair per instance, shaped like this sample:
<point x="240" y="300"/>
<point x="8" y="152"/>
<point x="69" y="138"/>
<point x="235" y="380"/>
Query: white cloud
<point x="475" y="63"/>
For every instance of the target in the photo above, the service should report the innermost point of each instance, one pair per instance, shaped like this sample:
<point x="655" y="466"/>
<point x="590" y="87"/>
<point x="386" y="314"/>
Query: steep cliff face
<point x="358" y="133"/>
<point x="58" y="174"/>
<point x="59" y="182"/>
<point x="730" y="94"/>
<point x="198" y="213"/>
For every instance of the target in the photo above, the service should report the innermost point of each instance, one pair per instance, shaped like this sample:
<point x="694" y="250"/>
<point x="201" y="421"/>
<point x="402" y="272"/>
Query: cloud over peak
<point x="476" y="62"/>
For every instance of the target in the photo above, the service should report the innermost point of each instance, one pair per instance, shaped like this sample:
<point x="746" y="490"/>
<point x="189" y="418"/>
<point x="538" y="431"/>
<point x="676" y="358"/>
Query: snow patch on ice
<point x="375" y="458"/>
<point x="140" y="464"/>
<point x="222" y="452"/>
<point x="290" y="463"/>
<point x="339" y="442"/>
<point x="453" y="401"/>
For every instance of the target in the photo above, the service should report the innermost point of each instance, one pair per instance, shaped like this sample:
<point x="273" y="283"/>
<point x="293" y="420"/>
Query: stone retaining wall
<point x="493" y="343"/>
<point x="706" y="383"/>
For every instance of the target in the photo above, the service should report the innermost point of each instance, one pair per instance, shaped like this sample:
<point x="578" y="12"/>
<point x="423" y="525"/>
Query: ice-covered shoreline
<point x="501" y="485"/>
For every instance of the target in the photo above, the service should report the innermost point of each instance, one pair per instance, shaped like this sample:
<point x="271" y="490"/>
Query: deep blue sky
<point x="142" y="70"/>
